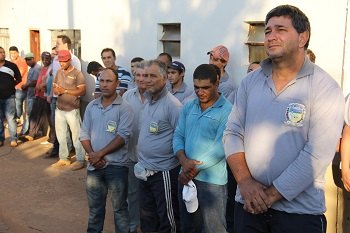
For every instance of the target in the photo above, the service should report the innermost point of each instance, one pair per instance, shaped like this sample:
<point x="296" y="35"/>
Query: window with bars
<point x="74" y="36"/>
<point x="255" y="41"/>
<point x="171" y="38"/>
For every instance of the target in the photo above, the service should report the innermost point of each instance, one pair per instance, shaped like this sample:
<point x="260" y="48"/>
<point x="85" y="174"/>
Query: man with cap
<point x="40" y="117"/>
<point x="219" y="56"/>
<point x="28" y="88"/>
<point x="9" y="77"/>
<point x="176" y="74"/>
<point x="68" y="85"/>
<point x="198" y="145"/>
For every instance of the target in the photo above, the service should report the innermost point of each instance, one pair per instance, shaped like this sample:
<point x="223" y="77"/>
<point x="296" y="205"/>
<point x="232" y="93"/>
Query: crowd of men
<point x="174" y="158"/>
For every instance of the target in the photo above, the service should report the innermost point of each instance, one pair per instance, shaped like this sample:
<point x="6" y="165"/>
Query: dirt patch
<point x="36" y="198"/>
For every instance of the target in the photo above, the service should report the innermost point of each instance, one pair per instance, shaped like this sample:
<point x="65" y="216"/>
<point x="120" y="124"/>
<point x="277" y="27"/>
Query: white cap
<point x="189" y="195"/>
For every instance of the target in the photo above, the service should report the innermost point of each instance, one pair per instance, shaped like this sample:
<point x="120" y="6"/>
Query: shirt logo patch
<point x="295" y="114"/>
<point x="153" y="127"/>
<point x="111" y="127"/>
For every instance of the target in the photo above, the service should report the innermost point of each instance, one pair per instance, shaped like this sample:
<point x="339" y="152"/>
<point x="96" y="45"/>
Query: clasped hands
<point x="257" y="197"/>
<point x="189" y="170"/>
<point x="96" y="159"/>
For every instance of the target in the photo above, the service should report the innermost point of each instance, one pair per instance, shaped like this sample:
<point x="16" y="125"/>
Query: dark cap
<point x="177" y="66"/>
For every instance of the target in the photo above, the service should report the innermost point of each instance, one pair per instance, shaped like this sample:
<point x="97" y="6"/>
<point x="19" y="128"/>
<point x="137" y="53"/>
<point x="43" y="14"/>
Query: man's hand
<point x="96" y="160"/>
<point x="254" y="196"/>
<point x="189" y="167"/>
<point x="345" y="173"/>
<point x="272" y="196"/>
<point x="183" y="179"/>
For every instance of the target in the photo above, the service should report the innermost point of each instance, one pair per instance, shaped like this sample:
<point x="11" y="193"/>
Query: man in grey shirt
<point x="135" y="97"/>
<point x="158" y="167"/>
<point x="105" y="132"/>
<point x="282" y="133"/>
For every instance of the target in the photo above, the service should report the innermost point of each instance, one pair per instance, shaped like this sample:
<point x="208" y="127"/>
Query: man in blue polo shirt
<point x="198" y="146"/>
<point x="282" y="133"/>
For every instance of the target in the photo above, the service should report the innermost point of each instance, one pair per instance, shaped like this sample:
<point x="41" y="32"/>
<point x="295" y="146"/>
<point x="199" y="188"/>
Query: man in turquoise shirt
<point x="198" y="146"/>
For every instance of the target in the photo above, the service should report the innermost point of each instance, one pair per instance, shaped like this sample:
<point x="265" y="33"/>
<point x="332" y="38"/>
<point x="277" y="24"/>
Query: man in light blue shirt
<point x="282" y="133"/>
<point x="199" y="148"/>
<point x="105" y="132"/>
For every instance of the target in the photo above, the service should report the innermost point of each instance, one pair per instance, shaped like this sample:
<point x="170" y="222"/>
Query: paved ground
<point x="36" y="198"/>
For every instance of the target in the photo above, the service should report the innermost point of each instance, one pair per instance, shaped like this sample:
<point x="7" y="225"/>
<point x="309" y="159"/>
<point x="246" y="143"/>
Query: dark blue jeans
<point x="8" y="112"/>
<point x="115" y="180"/>
<point x="274" y="221"/>
<point x="210" y="216"/>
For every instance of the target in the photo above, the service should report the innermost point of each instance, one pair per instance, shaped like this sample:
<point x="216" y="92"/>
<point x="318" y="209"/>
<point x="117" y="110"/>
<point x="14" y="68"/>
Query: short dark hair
<point x="13" y="48"/>
<point x="299" y="20"/>
<point x="204" y="72"/>
<point x="108" y="50"/>
<point x="66" y="40"/>
<point x="170" y="58"/>
<point x="93" y="66"/>
<point x="137" y="59"/>
<point x="115" y="72"/>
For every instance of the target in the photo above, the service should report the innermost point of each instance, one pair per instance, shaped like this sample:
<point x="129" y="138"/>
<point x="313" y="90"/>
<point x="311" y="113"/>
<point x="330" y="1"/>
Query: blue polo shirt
<point x="199" y="134"/>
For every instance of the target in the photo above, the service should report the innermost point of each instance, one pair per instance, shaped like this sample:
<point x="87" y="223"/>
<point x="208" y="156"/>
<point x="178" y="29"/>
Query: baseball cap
<point x="176" y="65"/>
<point x="64" y="55"/>
<point x="46" y="54"/>
<point x="29" y="55"/>
<point x="189" y="195"/>
<point x="220" y="52"/>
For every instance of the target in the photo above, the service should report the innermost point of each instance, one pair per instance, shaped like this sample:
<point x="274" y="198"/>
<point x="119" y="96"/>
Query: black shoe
<point x="53" y="154"/>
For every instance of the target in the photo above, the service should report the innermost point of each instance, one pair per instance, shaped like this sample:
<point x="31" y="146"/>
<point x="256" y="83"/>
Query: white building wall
<point x="131" y="26"/>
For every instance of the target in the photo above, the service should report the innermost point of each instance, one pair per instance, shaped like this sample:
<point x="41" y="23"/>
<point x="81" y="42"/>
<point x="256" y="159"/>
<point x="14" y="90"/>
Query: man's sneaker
<point x="29" y="138"/>
<point x="77" y="166"/>
<point x="13" y="143"/>
<point x="61" y="163"/>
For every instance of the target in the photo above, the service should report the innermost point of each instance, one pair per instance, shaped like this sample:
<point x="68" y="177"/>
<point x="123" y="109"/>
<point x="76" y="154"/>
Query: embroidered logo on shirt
<point x="153" y="127"/>
<point x="111" y="127"/>
<point x="295" y="114"/>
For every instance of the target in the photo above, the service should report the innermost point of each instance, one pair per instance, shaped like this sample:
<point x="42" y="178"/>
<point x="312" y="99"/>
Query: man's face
<point x="205" y="90"/>
<point x="174" y="76"/>
<point x="30" y="62"/>
<point x="155" y="82"/>
<point x="281" y="38"/>
<point x="46" y="60"/>
<point x="2" y="55"/>
<point x="108" y="59"/>
<point x="14" y="55"/>
<point x="60" y="45"/>
<point x="65" y="64"/>
<point x="221" y="63"/>
<point x="108" y="83"/>
<point x="140" y="78"/>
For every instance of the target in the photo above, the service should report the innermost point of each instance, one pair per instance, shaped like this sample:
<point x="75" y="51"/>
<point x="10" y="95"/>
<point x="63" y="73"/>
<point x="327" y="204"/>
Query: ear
<point x="303" y="38"/>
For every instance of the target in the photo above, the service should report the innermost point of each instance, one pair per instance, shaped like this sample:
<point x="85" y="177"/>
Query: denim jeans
<point x="72" y="119"/>
<point x="20" y="97"/>
<point x="8" y="111"/>
<point x="114" y="179"/>
<point x="29" y="106"/>
<point x="210" y="215"/>
<point x="133" y="199"/>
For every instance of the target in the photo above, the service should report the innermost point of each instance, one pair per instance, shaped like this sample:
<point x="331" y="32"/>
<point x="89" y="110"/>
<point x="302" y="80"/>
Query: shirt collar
<point x="163" y="93"/>
<point x="306" y="70"/>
